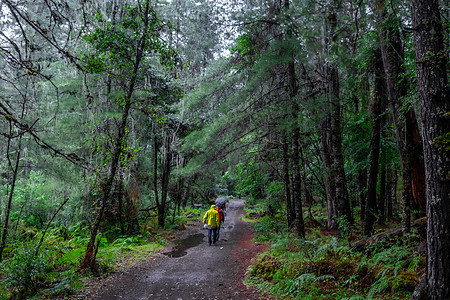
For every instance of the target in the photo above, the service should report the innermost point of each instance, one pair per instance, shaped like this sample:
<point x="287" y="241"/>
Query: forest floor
<point x="204" y="272"/>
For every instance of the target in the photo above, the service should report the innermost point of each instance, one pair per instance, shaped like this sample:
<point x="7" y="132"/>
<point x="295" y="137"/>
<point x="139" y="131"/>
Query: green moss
<point x="406" y="281"/>
<point x="443" y="142"/>
<point x="265" y="267"/>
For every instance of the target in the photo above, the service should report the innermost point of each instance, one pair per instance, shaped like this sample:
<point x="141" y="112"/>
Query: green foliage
<point x="275" y="193"/>
<point x="244" y="49"/>
<point x="126" y="242"/>
<point x="345" y="228"/>
<point x="66" y="283"/>
<point x="250" y="181"/>
<point x="324" y="267"/>
<point x="268" y="228"/>
<point x="25" y="270"/>
<point x="242" y="45"/>
<point x="115" y="45"/>
<point x="53" y="272"/>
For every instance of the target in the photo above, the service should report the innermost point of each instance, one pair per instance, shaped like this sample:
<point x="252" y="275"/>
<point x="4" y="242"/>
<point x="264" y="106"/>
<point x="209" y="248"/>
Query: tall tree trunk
<point x="376" y="111"/>
<point x="91" y="250"/>
<point x="295" y="136"/>
<point x="361" y="179"/>
<point x="433" y="87"/>
<point x="155" y="166"/>
<point x="341" y="200"/>
<point x="167" y="158"/>
<point x="341" y="197"/>
<point x="296" y="184"/>
<point x="389" y="192"/>
<point x="292" y="89"/>
<point x="325" y="140"/>
<point x="407" y="132"/>
<point x="14" y="170"/>
<point x="287" y="183"/>
<point x="382" y="197"/>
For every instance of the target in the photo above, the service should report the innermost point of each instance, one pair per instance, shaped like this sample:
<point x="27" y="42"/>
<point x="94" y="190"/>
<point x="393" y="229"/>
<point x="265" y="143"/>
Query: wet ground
<point x="181" y="246"/>
<point x="190" y="269"/>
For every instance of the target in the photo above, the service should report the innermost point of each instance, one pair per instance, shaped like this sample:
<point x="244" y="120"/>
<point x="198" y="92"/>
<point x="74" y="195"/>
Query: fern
<point x="380" y="286"/>
<point x="354" y="298"/>
<point x="311" y="278"/>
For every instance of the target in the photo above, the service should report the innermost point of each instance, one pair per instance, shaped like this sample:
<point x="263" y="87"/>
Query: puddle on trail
<point x="182" y="245"/>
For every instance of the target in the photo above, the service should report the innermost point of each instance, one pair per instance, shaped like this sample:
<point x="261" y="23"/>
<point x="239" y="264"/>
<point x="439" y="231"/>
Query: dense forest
<point x="331" y="118"/>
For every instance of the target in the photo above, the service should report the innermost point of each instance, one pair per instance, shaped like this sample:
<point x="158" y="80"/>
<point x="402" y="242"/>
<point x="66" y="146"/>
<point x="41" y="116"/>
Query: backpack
<point x="221" y="214"/>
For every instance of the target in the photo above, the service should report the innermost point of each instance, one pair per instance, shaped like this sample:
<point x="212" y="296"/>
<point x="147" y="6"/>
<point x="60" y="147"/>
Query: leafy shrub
<point x="275" y="192"/>
<point x="269" y="228"/>
<point x="25" y="271"/>
<point x="64" y="283"/>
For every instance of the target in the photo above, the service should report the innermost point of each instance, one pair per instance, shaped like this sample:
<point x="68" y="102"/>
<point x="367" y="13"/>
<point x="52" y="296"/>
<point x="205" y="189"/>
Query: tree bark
<point x="341" y="200"/>
<point x="167" y="158"/>
<point x="155" y="166"/>
<point x="295" y="136"/>
<point x="389" y="192"/>
<point x="376" y="111"/>
<point x="15" y="170"/>
<point x="325" y="140"/>
<point x="90" y="254"/>
<point x="433" y="87"/>
<point x="362" y="193"/>
<point x="296" y="184"/>
<point x="287" y="183"/>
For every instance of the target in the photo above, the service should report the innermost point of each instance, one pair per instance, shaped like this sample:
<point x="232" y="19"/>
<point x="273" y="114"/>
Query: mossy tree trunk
<point x="433" y="87"/>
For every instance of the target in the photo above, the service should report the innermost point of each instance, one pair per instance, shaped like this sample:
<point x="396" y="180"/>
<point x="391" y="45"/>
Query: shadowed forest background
<point x="330" y="118"/>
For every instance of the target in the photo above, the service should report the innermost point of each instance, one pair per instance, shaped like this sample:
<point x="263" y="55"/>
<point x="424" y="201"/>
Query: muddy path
<point x="202" y="272"/>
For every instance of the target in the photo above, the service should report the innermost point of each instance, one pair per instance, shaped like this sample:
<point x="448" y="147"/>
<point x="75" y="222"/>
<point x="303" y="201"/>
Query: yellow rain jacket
<point x="212" y="217"/>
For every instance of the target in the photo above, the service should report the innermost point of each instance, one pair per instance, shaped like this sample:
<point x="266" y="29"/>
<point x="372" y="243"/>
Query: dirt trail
<point x="205" y="272"/>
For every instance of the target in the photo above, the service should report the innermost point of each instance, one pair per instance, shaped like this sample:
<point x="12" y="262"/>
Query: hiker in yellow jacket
<point x="211" y="218"/>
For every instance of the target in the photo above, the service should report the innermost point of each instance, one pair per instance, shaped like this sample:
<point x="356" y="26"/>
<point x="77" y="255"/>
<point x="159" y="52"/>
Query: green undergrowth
<point x="324" y="267"/>
<point x="53" y="272"/>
